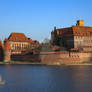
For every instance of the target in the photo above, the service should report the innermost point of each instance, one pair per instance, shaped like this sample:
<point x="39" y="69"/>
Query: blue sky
<point x="37" y="18"/>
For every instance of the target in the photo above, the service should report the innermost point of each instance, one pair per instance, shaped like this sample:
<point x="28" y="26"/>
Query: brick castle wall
<point x="25" y="58"/>
<point x="65" y="57"/>
<point x="52" y="57"/>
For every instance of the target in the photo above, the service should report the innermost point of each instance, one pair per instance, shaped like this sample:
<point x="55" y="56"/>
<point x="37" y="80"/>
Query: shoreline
<point x="30" y="63"/>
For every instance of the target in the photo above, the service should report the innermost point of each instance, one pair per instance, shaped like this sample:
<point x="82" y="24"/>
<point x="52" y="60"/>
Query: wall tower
<point x="7" y="51"/>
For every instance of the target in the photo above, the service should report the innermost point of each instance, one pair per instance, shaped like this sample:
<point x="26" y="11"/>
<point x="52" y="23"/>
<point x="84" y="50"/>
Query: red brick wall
<point x="65" y="57"/>
<point x="54" y="57"/>
<point x="25" y="58"/>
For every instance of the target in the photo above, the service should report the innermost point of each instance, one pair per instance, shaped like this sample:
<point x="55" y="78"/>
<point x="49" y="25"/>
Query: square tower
<point x="80" y="23"/>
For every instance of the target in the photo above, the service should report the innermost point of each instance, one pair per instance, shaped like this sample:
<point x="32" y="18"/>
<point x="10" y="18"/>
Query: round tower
<point x="1" y="51"/>
<point x="7" y="51"/>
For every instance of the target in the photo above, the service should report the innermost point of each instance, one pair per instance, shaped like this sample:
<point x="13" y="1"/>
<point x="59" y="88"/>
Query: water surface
<point x="34" y="78"/>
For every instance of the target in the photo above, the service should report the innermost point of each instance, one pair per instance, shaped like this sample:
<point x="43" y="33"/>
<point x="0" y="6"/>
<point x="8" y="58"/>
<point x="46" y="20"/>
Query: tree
<point x="46" y="41"/>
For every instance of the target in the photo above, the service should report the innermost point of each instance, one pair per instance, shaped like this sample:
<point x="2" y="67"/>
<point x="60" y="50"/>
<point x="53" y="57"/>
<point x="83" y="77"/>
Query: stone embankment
<point x="65" y="57"/>
<point x="59" y="57"/>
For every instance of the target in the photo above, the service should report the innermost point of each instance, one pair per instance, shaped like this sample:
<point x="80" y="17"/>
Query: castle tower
<point x="7" y="51"/>
<point x="1" y="51"/>
<point x="80" y="23"/>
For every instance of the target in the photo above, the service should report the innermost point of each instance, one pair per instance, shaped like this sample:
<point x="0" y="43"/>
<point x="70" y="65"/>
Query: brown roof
<point x="19" y="37"/>
<point x="82" y="30"/>
<point x="76" y="31"/>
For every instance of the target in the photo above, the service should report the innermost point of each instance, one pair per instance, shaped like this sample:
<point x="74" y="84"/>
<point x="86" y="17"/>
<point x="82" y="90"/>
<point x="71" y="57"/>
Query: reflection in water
<point x="27" y="78"/>
<point x="81" y="76"/>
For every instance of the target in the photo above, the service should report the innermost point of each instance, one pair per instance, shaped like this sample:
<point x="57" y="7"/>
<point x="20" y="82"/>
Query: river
<point x="38" y="78"/>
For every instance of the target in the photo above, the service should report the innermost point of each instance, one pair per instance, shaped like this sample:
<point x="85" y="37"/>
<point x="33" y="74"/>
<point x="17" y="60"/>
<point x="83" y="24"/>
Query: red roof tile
<point x="19" y="37"/>
<point x="81" y="30"/>
<point x="75" y="30"/>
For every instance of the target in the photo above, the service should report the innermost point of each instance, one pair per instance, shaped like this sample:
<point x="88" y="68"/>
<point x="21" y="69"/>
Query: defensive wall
<point x="59" y="57"/>
<point x="65" y="57"/>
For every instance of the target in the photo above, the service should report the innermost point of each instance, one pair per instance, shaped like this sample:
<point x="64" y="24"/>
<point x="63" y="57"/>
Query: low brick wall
<point x="65" y="57"/>
<point x="86" y="56"/>
<point x="60" y="57"/>
<point x="25" y="58"/>
<point x="55" y="57"/>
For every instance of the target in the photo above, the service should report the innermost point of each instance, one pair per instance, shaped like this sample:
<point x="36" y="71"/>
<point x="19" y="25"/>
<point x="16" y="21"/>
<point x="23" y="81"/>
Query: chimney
<point x="80" y="23"/>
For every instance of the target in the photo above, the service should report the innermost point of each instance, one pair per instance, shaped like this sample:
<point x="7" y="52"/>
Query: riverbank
<point x="31" y="63"/>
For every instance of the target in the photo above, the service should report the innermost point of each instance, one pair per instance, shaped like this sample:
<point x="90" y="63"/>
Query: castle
<point x="77" y="37"/>
<point x="16" y="43"/>
<point x="76" y="41"/>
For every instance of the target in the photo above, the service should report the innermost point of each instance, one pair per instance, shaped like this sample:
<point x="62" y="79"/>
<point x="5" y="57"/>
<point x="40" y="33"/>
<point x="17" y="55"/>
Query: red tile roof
<point x="81" y="30"/>
<point x="19" y="37"/>
<point x="75" y="31"/>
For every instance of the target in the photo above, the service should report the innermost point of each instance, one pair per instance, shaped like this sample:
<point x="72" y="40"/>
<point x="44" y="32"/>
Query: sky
<point x="37" y="18"/>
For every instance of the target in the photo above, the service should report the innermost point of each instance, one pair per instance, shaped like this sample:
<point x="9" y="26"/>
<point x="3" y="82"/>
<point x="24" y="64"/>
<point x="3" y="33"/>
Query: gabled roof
<point x="82" y="30"/>
<point x="19" y="37"/>
<point x="75" y="30"/>
<point x="64" y="29"/>
<point x="78" y="28"/>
